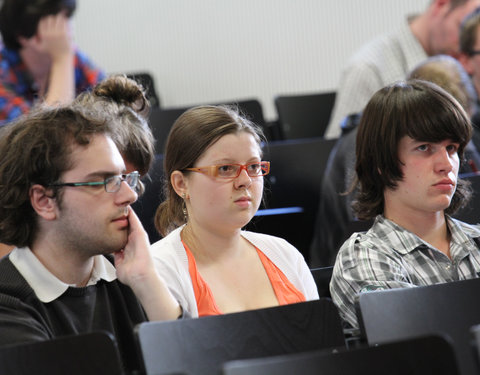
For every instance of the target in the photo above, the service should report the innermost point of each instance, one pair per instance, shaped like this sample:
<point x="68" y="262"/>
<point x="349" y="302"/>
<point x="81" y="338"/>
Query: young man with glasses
<point x="66" y="207"/>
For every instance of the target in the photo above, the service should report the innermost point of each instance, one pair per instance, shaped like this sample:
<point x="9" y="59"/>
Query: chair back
<point x="148" y="83"/>
<point x="303" y="116"/>
<point x="162" y="119"/>
<point x="295" y="178"/>
<point x="146" y="204"/>
<point x="296" y="171"/>
<point x="322" y="277"/>
<point x="91" y="353"/>
<point x="200" y="346"/>
<point x="448" y="309"/>
<point x="475" y="334"/>
<point x="471" y="212"/>
<point x="250" y="108"/>
<point x="431" y="355"/>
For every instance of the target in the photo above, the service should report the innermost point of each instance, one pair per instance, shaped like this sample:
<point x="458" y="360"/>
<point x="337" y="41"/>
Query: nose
<point x="125" y="195"/>
<point x="243" y="180"/>
<point x="445" y="161"/>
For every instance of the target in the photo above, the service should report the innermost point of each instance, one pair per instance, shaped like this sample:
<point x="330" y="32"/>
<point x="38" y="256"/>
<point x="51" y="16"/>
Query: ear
<point x="24" y="42"/>
<point x="466" y="63"/>
<point x="440" y="6"/>
<point x="44" y="204"/>
<point x="179" y="183"/>
<point x="30" y="43"/>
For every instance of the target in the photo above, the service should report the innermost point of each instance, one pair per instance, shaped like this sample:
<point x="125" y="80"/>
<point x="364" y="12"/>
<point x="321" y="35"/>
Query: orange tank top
<point x="284" y="290"/>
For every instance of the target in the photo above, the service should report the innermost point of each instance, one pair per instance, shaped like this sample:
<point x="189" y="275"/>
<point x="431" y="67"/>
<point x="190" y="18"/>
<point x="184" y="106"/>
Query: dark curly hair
<point x="36" y="149"/>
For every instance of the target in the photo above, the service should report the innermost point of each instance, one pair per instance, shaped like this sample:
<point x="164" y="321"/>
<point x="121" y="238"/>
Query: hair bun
<point x="125" y="91"/>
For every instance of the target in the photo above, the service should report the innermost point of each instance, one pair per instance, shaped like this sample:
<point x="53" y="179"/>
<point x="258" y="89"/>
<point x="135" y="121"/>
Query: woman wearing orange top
<point x="213" y="160"/>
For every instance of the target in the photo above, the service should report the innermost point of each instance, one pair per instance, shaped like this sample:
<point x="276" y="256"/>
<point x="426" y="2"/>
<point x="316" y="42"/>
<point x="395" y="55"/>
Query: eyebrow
<point x="231" y="161"/>
<point x="435" y="142"/>
<point x="102" y="174"/>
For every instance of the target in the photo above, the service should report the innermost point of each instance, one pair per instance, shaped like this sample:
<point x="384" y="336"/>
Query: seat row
<point x="299" y="116"/>
<point x="425" y="330"/>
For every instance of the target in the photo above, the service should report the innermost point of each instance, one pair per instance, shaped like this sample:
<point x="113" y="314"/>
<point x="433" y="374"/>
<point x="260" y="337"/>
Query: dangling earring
<point x="184" y="208"/>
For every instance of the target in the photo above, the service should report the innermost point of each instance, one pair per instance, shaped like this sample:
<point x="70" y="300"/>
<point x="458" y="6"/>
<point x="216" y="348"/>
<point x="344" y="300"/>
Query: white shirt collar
<point x="47" y="286"/>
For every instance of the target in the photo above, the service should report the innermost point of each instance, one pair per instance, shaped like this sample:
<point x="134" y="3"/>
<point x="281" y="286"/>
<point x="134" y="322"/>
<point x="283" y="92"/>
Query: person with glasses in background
<point x="65" y="199"/>
<point x="388" y="58"/>
<point x="214" y="185"/>
<point x="470" y="59"/>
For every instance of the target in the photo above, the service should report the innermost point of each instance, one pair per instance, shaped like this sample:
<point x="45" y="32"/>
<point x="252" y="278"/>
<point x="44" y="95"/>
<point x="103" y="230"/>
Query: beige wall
<point x="216" y="50"/>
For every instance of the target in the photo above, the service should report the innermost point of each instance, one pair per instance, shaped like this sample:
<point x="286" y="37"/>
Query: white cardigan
<point x="171" y="263"/>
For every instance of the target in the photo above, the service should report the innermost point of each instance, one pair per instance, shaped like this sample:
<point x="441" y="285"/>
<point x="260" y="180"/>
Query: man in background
<point x="38" y="59"/>
<point x="390" y="57"/>
<point x="470" y="59"/>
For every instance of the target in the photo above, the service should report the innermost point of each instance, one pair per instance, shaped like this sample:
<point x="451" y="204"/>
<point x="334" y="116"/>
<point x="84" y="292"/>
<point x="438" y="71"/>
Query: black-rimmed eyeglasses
<point x="111" y="184"/>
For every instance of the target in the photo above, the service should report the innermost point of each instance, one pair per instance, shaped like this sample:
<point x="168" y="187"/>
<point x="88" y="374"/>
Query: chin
<point x="440" y="207"/>
<point x="247" y="220"/>
<point x="115" y="245"/>
<point x="237" y="225"/>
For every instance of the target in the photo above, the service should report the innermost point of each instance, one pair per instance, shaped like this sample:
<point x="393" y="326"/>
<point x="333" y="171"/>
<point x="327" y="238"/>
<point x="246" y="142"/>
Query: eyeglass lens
<point x="112" y="184"/>
<point x="233" y="170"/>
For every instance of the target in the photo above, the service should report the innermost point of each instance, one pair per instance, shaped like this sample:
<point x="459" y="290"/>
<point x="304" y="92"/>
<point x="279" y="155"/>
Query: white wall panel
<point x="214" y="50"/>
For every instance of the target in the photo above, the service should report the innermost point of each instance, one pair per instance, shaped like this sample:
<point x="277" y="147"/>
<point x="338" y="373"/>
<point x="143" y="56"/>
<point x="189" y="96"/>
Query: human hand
<point x="135" y="268"/>
<point x="54" y="36"/>
<point x="134" y="263"/>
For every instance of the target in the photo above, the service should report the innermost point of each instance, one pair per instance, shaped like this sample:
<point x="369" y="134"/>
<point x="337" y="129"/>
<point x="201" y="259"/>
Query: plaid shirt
<point x="17" y="89"/>
<point x="382" y="61"/>
<point x="389" y="256"/>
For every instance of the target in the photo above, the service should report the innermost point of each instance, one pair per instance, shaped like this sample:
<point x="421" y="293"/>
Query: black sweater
<point x="106" y="306"/>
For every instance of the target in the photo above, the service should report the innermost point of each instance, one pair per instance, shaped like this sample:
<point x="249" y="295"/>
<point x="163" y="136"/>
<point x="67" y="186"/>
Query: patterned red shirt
<point x="17" y="89"/>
